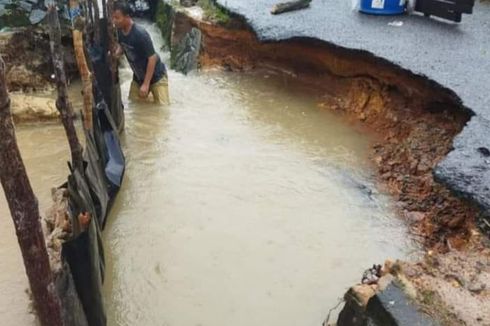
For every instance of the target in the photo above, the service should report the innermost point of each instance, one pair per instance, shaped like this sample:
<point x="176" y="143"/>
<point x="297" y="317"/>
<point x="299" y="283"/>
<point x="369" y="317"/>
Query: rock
<point x="387" y="175"/>
<point x="371" y="275"/>
<point x="363" y="293"/>
<point x="456" y="221"/>
<point x="392" y="307"/>
<point x="21" y="77"/>
<point x="36" y="16"/>
<point x="414" y="217"/>
<point x="188" y="3"/>
<point x="185" y="54"/>
<point x="33" y="108"/>
<point x="476" y="287"/>
<point x="24" y="5"/>
<point x="424" y="166"/>
<point x="413" y="165"/>
<point x="353" y="312"/>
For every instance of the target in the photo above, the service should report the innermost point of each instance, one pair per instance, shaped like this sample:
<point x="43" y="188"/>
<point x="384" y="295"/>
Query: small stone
<point x="414" y="217"/>
<point x="188" y="3"/>
<point x="363" y="293"/>
<point x="477" y="287"/>
<point x="413" y="165"/>
<point x="26" y="6"/>
<point x="387" y="175"/>
<point x="37" y="16"/>
<point x="456" y="221"/>
<point x="423" y="166"/>
<point x="371" y="275"/>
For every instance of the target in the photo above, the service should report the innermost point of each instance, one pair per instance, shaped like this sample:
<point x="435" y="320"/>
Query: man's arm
<point x="150" y="69"/>
<point x="149" y="52"/>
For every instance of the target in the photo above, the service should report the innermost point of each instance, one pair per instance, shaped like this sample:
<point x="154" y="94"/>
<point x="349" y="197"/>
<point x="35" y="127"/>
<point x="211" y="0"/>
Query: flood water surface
<point x="45" y="152"/>
<point x="243" y="204"/>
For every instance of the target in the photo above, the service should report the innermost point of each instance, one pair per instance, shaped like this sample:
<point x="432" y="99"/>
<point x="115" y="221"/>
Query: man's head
<point x="121" y="15"/>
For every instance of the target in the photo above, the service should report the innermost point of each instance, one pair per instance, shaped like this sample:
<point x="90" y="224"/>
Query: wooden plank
<point x="78" y="24"/>
<point x="290" y="6"/>
<point x="63" y="103"/>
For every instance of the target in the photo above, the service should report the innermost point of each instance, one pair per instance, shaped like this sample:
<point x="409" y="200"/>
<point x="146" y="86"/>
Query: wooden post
<point x="90" y="9"/>
<point x="63" y="103"/>
<point x="78" y="27"/>
<point x="104" y="9"/>
<point x="95" y="5"/>
<point x="25" y="214"/>
<point x="111" y="40"/>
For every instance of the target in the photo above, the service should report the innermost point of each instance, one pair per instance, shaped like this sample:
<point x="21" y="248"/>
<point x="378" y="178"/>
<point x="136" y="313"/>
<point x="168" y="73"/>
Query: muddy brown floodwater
<point x="243" y="204"/>
<point x="45" y="152"/>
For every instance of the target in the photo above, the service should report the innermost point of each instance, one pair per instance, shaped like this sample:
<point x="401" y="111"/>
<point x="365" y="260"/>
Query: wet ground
<point x="243" y="203"/>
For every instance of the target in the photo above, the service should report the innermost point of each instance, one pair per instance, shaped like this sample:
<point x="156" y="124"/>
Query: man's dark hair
<point x="123" y="7"/>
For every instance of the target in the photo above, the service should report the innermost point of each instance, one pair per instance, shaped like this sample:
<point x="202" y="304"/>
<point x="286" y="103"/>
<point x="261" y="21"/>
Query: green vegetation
<point x="164" y="21"/>
<point x="13" y="17"/>
<point x="427" y="297"/>
<point x="214" y="12"/>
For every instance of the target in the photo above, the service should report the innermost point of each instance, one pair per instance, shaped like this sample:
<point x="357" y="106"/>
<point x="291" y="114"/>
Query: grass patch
<point x="214" y="12"/>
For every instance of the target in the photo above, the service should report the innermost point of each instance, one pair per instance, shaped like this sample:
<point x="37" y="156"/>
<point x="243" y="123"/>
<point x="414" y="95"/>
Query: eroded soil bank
<point x="30" y="74"/>
<point x="414" y="120"/>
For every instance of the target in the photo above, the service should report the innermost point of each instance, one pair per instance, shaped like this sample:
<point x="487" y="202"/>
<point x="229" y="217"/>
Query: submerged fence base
<point x="91" y="192"/>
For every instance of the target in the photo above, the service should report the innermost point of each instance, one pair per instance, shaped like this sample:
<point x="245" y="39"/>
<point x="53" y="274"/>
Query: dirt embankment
<point x="414" y="119"/>
<point x="29" y="73"/>
<point x="27" y="56"/>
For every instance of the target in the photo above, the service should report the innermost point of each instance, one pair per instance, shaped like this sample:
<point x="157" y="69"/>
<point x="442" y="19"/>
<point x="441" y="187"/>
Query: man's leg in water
<point x="134" y="91"/>
<point x="160" y="91"/>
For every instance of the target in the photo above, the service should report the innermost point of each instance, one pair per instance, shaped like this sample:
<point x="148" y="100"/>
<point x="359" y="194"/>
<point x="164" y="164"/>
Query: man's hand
<point x="144" y="90"/>
<point x="117" y="51"/>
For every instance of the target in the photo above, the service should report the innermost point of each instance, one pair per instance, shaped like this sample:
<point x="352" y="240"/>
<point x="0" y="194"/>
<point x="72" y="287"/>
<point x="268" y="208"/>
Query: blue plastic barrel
<point x="383" y="7"/>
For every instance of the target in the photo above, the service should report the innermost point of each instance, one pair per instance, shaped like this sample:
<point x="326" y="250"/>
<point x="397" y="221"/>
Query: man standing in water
<point x="149" y="72"/>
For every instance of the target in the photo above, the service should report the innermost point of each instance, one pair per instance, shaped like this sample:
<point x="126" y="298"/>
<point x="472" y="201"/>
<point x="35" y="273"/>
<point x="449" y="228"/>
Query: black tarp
<point x="93" y="191"/>
<point x="84" y="253"/>
<point x="72" y="310"/>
